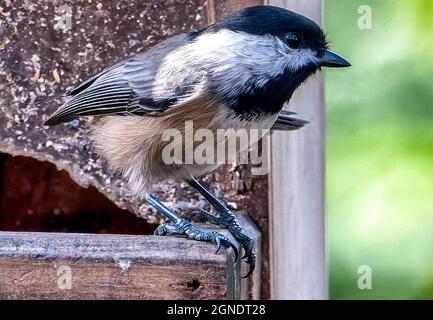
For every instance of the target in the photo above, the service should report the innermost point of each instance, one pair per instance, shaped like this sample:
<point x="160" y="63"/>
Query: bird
<point x="236" y="73"/>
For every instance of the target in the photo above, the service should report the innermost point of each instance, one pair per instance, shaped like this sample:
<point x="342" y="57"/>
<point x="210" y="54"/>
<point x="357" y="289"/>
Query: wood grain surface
<point x="37" y="265"/>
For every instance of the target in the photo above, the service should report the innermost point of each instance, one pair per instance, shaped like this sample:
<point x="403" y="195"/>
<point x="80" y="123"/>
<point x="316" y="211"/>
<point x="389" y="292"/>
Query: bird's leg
<point x="227" y="219"/>
<point x="183" y="227"/>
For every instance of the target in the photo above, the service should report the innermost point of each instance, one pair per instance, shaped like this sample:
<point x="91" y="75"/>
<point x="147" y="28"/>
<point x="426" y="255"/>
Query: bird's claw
<point x="186" y="228"/>
<point x="252" y="263"/>
<point x="221" y="240"/>
<point x="250" y="256"/>
<point x="228" y="220"/>
<point x="247" y="244"/>
<point x="218" y="243"/>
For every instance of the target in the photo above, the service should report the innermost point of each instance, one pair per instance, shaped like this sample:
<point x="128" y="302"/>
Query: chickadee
<point x="237" y="73"/>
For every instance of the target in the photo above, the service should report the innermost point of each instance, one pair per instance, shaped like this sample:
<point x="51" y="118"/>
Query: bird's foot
<point x="183" y="227"/>
<point x="228" y="220"/>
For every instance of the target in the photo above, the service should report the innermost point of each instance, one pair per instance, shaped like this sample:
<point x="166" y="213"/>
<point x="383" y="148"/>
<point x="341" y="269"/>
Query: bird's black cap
<point x="262" y="20"/>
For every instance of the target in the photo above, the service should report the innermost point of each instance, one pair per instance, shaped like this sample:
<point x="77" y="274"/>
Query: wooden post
<point x="298" y="266"/>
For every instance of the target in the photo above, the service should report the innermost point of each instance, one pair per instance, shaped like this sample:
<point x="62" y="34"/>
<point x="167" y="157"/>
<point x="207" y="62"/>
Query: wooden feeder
<point x="72" y="234"/>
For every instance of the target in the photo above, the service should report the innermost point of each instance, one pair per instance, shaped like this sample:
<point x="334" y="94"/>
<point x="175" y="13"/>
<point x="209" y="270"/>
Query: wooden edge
<point x="96" y="266"/>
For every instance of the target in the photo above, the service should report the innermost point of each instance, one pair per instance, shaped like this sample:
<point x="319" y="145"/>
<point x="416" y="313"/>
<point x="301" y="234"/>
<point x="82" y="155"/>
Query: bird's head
<point x="258" y="56"/>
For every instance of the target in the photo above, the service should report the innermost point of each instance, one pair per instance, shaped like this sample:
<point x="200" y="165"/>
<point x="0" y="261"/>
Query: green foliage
<point x="380" y="149"/>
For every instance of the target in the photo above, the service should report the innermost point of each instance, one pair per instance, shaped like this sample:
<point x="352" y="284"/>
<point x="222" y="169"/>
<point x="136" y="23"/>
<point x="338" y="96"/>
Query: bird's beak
<point x="333" y="60"/>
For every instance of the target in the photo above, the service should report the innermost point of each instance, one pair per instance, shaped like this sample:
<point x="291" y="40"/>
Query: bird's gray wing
<point x="286" y="121"/>
<point x="126" y="88"/>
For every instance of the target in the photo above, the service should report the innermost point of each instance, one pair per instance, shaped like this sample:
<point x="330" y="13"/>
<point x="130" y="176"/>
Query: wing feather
<point x="125" y="88"/>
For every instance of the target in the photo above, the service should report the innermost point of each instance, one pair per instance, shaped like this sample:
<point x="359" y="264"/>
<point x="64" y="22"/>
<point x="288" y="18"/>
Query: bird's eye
<point x="293" y="39"/>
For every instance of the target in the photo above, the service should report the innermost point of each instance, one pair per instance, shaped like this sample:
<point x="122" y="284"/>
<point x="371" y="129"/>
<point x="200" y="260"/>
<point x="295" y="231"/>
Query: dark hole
<point x="35" y="196"/>
<point x="194" y="284"/>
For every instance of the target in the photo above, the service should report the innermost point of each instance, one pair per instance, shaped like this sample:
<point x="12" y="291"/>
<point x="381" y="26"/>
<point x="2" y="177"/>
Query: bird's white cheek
<point x="297" y="59"/>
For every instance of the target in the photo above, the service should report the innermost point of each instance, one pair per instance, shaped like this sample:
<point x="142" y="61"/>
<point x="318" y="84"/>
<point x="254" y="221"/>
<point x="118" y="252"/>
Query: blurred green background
<point x="379" y="158"/>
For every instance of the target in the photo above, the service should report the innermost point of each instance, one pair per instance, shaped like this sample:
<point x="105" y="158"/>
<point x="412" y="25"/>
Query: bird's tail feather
<point x="286" y="122"/>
